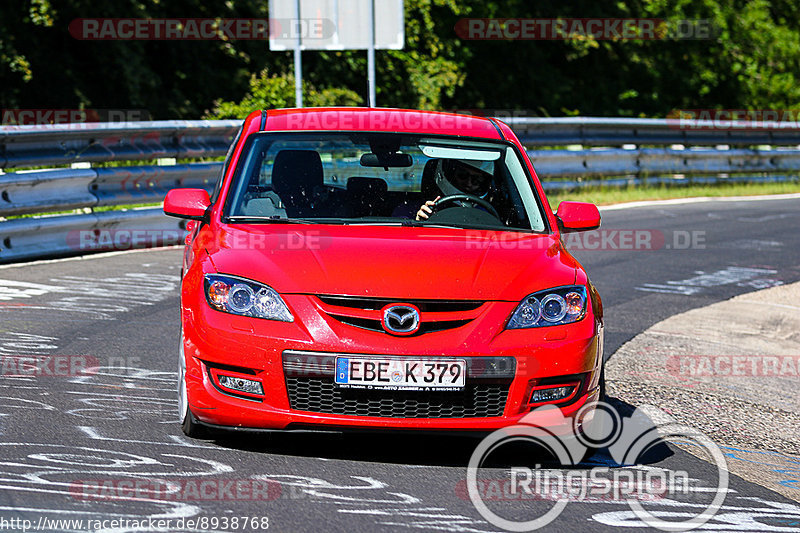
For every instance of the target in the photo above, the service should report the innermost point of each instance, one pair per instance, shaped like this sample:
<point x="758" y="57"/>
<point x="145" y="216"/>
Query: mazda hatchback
<point x="376" y="268"/>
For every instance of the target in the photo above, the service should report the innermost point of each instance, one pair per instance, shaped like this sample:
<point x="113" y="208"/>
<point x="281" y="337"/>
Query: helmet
<point x="466" y="177"/>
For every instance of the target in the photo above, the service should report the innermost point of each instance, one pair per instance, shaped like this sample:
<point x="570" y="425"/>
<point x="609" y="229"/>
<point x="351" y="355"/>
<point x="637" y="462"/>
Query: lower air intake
<point x="477" y="400"/>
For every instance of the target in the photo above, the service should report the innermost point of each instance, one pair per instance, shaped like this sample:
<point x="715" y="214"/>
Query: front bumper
<point x="265" y="351"/>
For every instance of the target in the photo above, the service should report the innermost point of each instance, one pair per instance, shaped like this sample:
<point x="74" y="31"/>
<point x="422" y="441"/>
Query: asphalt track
<point x="62" y="437"/>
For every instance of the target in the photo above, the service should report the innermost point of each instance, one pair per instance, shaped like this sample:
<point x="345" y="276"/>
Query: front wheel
<point x="602" y="384"/>
<point x="593" y="448"/>
<point x="189" y="424"/>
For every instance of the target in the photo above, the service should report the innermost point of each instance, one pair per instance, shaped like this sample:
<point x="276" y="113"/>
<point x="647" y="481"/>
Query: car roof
<point x="381" y="120"/>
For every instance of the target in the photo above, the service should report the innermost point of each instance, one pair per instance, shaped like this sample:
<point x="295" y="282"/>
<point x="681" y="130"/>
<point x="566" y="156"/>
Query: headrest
<point x="428" y="186"/>
<point x="362" y="185"/>
<point x="295" y="173"/>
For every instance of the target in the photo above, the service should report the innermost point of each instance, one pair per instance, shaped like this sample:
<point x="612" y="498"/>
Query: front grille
<point x="426" y="306"/>
<point x="365" y="313"/>
<point x="425" y="327"/>
<point x="476" y="400"/>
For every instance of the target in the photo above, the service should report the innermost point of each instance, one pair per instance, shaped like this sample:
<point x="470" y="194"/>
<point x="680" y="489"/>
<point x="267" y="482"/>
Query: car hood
<point x="393" y="262"/>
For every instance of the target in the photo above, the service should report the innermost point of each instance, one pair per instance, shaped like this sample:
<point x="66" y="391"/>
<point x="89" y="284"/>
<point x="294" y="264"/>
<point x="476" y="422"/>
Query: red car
<point x="379" y="268"/>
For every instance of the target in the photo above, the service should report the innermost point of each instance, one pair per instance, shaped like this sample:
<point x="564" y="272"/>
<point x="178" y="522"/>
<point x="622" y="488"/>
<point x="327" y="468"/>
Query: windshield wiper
<point x="275" y="219"/>
<point x="271" y="219"/>
<point x="426" y="224"/>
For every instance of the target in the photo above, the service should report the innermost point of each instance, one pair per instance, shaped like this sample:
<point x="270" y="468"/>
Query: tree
<point x="751" y="61"/>
<point x="276" y="91"/>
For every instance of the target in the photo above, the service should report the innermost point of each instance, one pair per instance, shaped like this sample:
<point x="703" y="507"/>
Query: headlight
<point x="562" y="305"/>
<point x="244" y="297"/>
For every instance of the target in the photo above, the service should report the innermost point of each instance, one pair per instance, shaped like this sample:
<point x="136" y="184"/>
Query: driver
<point x="464" y="177"/>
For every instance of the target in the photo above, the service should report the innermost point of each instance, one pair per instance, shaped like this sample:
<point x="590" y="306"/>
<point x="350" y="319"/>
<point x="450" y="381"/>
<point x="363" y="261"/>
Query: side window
<point x="225" y="165"/>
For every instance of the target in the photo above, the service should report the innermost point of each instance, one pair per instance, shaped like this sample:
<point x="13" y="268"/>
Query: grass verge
<point x="608" y="195"/>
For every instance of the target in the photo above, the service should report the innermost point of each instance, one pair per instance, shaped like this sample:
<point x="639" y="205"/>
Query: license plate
<point x="405" y="374"/>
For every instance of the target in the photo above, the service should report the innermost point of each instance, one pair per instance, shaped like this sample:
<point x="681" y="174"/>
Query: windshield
<point x="382" y="178"/>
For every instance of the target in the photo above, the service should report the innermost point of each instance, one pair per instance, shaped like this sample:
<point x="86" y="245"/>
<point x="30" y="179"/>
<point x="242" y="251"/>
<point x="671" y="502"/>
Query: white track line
<point x="701" y="199"/>
<point x="92" y="256"/>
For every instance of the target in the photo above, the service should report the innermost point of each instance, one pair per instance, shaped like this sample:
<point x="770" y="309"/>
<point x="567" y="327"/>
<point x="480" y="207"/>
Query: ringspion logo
<point x="567" y="439"/>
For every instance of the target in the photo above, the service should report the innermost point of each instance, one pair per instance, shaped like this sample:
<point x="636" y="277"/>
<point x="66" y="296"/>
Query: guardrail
<point x="50" y="190"/>
<point x="592" y="131"/>
<point x="61" y="144"/>
<point x="610" y="151"/>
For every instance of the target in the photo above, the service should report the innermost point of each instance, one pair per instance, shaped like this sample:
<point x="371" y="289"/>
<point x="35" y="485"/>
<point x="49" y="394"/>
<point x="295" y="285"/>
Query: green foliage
<point x="433" y="60"/>
<point x="751" y="61"/>
<point x="13" y="63"/>
<point x="268" y="92"/>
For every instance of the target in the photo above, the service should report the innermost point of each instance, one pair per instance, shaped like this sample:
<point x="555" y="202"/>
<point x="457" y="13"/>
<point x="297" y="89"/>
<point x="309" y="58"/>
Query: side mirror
<point x="577" y="216"/>
<point x="187" y="203"/>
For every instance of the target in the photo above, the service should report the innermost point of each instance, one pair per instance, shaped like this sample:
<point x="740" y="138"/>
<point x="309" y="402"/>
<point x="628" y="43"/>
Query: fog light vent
<point x="552" y="394"/>
<point x="239" y="384"/>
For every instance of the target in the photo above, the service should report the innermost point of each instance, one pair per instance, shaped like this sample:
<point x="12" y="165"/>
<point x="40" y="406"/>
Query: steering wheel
<point x="469" y="198"/>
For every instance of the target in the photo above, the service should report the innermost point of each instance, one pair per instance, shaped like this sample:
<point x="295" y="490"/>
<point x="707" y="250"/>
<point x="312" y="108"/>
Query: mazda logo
<point x="400" y="319"/>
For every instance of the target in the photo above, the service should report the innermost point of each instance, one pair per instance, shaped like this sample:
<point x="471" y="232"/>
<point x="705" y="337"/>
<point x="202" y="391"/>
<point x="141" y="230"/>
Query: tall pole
<point x="298" y="59"/>
<point x="371" y="54"/>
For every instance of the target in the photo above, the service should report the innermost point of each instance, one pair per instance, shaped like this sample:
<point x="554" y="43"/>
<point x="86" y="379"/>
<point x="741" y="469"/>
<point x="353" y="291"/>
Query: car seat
<point x="367" y="196"/>
<point x="295" y="174"/>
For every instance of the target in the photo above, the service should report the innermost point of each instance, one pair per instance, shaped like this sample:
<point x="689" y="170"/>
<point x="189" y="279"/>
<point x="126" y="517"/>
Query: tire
<point x="189" y="424"/>
<point x="194" y="429"/>
<point x="603" y="397"/>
